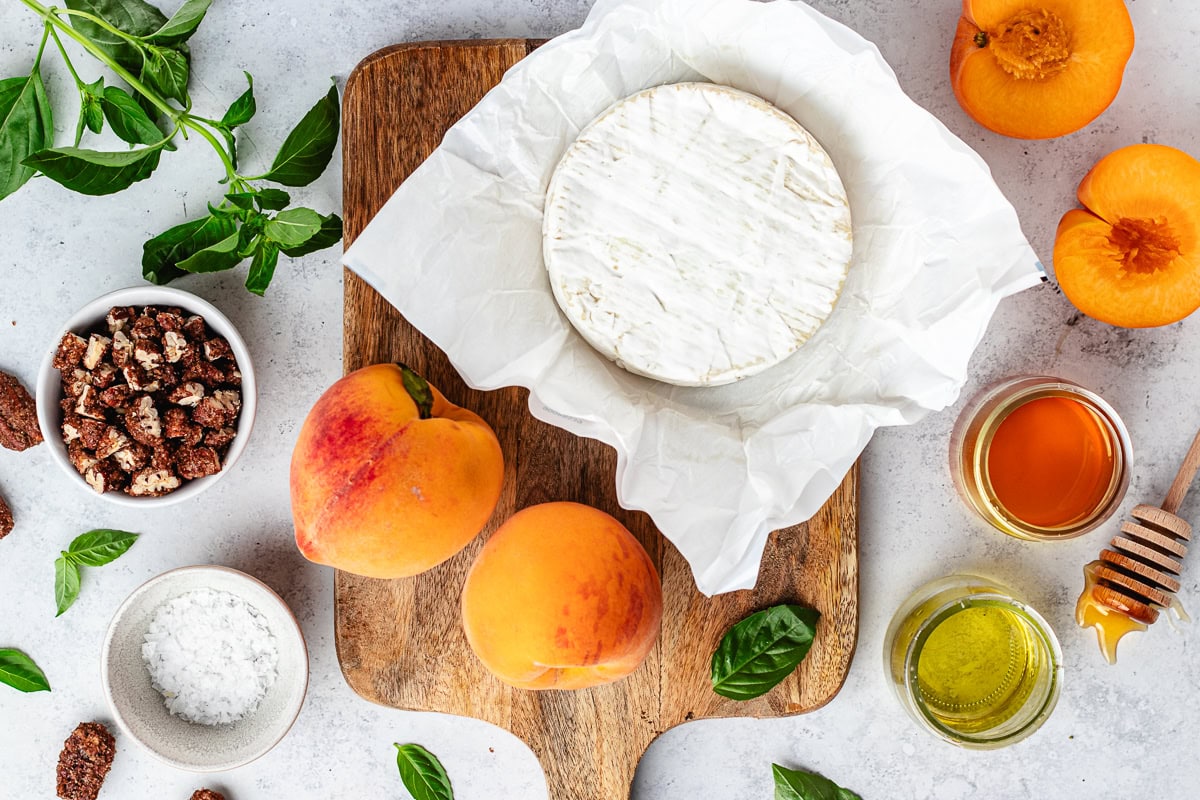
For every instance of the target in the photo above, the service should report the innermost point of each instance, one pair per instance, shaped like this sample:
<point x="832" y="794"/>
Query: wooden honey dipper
<point x="1126" y="588"/>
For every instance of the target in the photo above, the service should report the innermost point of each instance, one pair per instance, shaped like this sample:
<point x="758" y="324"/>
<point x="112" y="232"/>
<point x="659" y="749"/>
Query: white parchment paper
<point x="458" y="250"/>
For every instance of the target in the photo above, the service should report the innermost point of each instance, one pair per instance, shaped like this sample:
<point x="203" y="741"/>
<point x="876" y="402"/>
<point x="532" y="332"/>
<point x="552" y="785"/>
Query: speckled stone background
<point x="1119" y="732"/>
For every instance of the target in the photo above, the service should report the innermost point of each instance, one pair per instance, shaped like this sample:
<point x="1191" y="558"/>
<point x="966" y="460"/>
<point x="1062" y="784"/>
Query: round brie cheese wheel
<point x="696" y="234"/>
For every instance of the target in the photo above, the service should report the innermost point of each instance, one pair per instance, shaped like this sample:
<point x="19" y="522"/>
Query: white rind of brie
<point x="696" y="234"/>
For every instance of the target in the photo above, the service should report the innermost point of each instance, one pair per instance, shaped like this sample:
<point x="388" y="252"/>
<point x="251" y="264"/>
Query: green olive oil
<point x="978" y="666"/>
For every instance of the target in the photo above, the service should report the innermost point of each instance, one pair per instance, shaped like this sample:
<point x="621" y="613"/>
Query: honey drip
<point x="1111" y="625"/>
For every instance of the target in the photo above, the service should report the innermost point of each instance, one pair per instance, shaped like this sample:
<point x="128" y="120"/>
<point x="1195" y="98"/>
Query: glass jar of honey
<point x="972" y="663"/>
<point x="1040" y="458"/>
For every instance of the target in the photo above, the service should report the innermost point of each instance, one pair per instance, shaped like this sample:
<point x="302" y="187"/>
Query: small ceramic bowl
<point x="49" y="385"/>
<point x="138" y="707"/>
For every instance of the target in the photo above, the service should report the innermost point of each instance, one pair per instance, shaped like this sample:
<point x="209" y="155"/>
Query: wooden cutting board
<point x="400" y="643"/>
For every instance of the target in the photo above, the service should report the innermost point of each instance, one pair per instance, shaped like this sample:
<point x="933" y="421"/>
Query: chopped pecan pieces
<point x="119" y="317"/>
<point x="174" y="345"/>
<point x="150" y="482"/>
<point x="187" y="394"/>
<point x="217" y="348"/>
<point x="18" y="415"/>
<point x="70" y="351"/>
<point x="88" y="403"/>
<point x="142" y="421"/>
<point x="151" y="400"/>
<point x="84" y="762"/>
<point x="6" y="519"/>
<point x="197" y="462"/>
<point x="97" y="349"/>
<point x="105" y="476"/>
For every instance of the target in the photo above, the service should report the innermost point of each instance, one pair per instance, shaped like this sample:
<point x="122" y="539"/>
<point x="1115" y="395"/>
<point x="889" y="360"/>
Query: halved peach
<point x="1035" y="69"/>
<point x="1132" y="258"/>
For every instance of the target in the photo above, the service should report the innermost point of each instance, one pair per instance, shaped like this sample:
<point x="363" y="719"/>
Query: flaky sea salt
<point x="211" y="656"/>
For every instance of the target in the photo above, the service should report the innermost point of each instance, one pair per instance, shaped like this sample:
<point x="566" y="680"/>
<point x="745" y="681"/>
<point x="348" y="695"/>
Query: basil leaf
<point x="18" y="671"/>
<point x="26" y="126"/>
<point x="216" y="257"/>
<point x="761" y="650"/>
<point x="293" y="227"/>
<point x="182" y="24"/>
<point x="422" y="773"/>
<point x="162" y="254"/>
<point x="166" y="70"/>
<point x="791" y="784"/>
<point x="262" y="268"/>
<point x="329" y="235"/>
<point x="243" y="200"/>
<point x="66" y="583"/>
<point x="92" y="114"/>
<point x="101" y="546"/>
<point x="307" y="149"/>
<point x="242" y="109"/>
<point x="94" y="172"/>
<point x="128" y="120"/>
<point x="134" y="17"/>
<point x="272" y="199"/>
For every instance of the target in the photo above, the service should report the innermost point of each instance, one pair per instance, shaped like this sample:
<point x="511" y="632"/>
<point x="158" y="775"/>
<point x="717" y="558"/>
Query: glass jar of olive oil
<point x="973" y="664"/>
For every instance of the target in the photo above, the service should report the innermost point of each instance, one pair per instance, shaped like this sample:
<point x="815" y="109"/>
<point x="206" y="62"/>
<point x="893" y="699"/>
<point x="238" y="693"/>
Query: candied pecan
<point x="97" y="349"/>
<point x="84" y="762"/>
<point x="79" y="457"/>
<point x="104" y="376"/>
<point x="88" y="403"/>
<point x="72" y="385"/>
<point x="195" y="328"/>
<point x="175" y="344"/>
<point x="144" y="327"/>
<point x="197" y="462"/>
<point x="122" y="349"/>
<point x="132" y="458"/>
<point x="148" y="354"/>
<point x="167" y="376"/>
<point x="217" y="348"/>
<point x="187" y="394"/>
<point x="105" y="476"/>
<point x="206" y="794"/>
<point x="117" y="397"/>
<point x="178" y="425"/>
<point x="6" y="519"/>
<point x="114" y="439"/>
<point x="18" y="415"/>
<point x="72" y="423"/>
<point x="170" y="319"/>
<point x="138" y="379"/>
<point x="219" y="438"/>
<point x="70" y="351"/>
<point x="204" y="372"/>
<point x="143" y="423"/>
<point x="233" y="376"/>
<point x="150" y="482"/>
<point x="214" y="412"/>
<point x="162" y="457"/>
<point x="119" y="317"/>
<point x="91" y="432"/>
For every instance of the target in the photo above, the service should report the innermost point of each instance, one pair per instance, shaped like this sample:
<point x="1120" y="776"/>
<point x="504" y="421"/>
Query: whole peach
<point x="388" y="478"/>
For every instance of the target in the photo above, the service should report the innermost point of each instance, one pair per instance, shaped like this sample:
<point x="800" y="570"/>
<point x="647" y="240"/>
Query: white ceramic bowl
<point x="139" y="708"/>
<point x="49" y="385"/>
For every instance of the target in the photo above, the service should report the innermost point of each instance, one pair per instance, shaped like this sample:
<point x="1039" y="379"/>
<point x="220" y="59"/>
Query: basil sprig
<point x="761" y="650"/>
<point x="18" y="671"/>
<point x="149" y="52"/>
<point x="794" y="784"/>
<point x="92" y="549"/>
<point x="422" y="773"/>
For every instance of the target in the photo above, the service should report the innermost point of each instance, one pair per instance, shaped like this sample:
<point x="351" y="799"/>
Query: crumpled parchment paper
<point x="458" y="250"/>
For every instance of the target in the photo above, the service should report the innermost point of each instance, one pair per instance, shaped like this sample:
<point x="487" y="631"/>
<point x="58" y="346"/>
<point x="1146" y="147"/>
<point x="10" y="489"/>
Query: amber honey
<point x="1040" y="458"/>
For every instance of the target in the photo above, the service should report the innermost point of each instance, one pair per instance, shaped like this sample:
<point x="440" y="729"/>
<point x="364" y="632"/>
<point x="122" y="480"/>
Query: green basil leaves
<point x="18" y="671"/>
<point x="791" y="784"/>
<point x="92" y="549"/>
<point x="423" y="775"/>
<point x="761" y="650"/>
